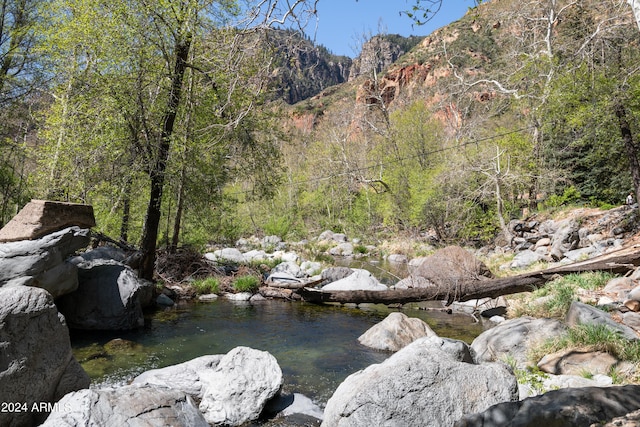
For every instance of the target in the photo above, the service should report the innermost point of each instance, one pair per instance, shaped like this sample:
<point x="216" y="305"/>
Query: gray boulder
<point x="566" y="407"/>
<point x="140" y="406"/>
<point x="420" y="385"/>
<point x="395" y="332"/>
<point x="310" y="267"/>
<point x="581" y="254"/>
<point x="514" y="338"/>
<point x="446" y="267"/>
<point x="332" y="274"/>
<point x="342" y="249"/>
<point x="109" y="297"/>
<point x="42" y="263"/>
<point x="580" y="314"/>
<point x="411" y="282"/>
<point x="358" y="280"/>
<point x="101" y="252"/>
<point x="236" y="391"/>
<point x="398" y="259"/>
<point x="330" y="235"/>
<point x="183" y="376"/>
<point x="288" y="267"/>
<point x="525" y="258"/>
<point x="565" y="239"/>
<point x="36" y="362"/>
<point x="255" y="255"/>
<point x="231" y="255"/>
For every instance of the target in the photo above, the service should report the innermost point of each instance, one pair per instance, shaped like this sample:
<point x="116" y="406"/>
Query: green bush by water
<point x="246" y="284"/>
<point x="210" y="285"/>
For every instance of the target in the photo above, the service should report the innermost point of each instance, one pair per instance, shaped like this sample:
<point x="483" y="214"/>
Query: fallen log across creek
<point x="617" y="262"/>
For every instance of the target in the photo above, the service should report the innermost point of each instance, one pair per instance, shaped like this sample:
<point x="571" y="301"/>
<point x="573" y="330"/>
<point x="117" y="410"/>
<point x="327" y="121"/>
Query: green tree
<point x="122" y="73"/>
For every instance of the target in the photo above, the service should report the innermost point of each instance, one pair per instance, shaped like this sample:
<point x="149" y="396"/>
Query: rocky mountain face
<point x="380" y="52"/>
<point x="469" y="66"/>
<point x="303" y="70"/>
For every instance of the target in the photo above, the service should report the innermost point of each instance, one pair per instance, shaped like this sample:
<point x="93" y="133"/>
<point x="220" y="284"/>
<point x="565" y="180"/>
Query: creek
<point x="315" y="345"/>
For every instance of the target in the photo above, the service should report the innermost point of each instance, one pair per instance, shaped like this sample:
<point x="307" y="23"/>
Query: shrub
<point x="360" y="249"/>
<point x="246" y="284"/>
<point x="210" y="285"/>
<point x="569" y="195"/>
<point x="278" y="226"/>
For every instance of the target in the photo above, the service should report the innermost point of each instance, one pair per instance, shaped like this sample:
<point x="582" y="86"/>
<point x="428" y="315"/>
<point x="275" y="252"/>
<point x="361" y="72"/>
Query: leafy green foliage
<point x="278" y="226"/>
<point x="209" y="285"/>
<point x="493" y="115"/>
<point x="568" y="196"/>
<point x="246" y="283"/>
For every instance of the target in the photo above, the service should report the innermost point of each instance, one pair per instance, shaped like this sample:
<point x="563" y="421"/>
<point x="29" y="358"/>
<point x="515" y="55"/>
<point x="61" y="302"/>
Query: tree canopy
<point x="166" y="117"/>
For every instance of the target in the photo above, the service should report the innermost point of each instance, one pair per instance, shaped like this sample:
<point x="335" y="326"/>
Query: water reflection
<point x="316" y="346"/>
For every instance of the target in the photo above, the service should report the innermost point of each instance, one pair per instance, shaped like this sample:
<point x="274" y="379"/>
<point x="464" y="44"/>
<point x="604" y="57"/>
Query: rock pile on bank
<point x="583" y="235"/>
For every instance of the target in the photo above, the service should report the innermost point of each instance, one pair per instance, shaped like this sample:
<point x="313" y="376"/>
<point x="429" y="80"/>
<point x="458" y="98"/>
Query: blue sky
<point x="342" y="23"/>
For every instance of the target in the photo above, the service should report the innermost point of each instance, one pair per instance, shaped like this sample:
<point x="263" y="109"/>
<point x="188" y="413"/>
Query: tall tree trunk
<point x="126" y="210"/>
<point x="158" y="169"/>
<point x="55" y="191"/>
<point x="630" y="145"/>
<point x="175" y="238"/>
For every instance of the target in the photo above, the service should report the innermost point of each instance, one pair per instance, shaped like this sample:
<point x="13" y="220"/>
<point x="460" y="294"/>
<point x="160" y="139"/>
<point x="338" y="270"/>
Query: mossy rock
<point x="118" y="345"/>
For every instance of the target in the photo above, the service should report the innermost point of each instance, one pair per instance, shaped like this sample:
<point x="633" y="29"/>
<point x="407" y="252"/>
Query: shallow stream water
<point x="315" y="345"/>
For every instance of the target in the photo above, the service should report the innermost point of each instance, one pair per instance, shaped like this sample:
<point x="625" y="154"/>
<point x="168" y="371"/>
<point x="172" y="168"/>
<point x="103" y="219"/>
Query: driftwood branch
<point x="618" y="262"/>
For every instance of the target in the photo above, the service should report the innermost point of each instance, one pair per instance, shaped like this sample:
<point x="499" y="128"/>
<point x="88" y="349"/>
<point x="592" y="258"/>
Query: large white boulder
<point x="183" y="376"/>
<point x="133" y="405"/>
<point x="359" y="280"/>
<point x="420" y="385"/>
<point x="237" y="390"/>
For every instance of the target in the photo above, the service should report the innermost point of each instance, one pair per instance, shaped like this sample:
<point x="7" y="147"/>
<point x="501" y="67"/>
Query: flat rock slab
<point x="577" y="362"/>
<point x="41" y="217"/>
